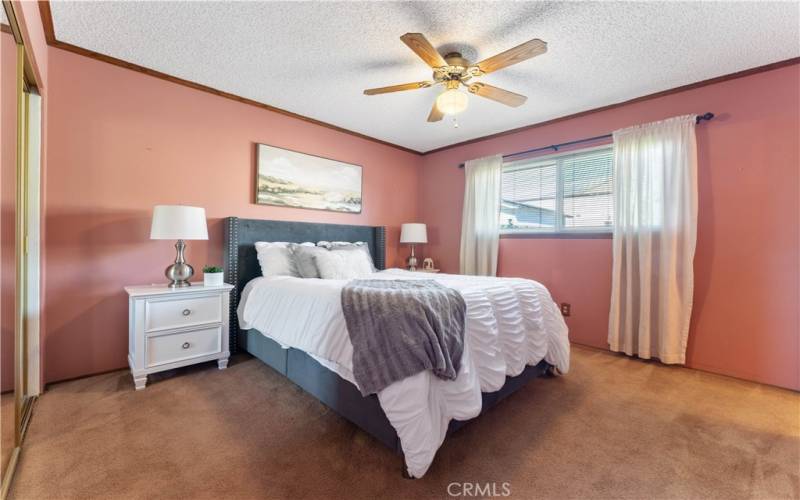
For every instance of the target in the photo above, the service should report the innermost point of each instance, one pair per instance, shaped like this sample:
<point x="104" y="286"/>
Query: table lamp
<point x="177" y="222"/>
<point x="413" y="233"/>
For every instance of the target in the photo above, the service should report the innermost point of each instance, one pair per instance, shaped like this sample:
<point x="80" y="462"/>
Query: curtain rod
<point x="554" y="147"/>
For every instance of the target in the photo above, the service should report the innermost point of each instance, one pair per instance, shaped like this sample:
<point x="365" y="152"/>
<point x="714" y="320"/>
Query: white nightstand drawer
<point x="190" y="311"/>
<point x="174" y="347"/>
<point x="173" y="327"/>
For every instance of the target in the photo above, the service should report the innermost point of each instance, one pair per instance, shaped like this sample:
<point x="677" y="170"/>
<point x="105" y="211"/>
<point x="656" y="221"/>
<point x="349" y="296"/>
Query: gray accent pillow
<point x="303" y="256"/>
<point x="330" y="245"/>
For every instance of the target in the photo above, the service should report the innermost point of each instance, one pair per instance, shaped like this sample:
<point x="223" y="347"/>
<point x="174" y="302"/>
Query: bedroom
<point x="526" y="166"/>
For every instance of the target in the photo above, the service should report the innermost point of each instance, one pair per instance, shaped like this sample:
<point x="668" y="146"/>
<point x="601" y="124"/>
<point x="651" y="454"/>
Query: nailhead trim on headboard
<point x="232" y="277"/>
<point x="380" y="242"/>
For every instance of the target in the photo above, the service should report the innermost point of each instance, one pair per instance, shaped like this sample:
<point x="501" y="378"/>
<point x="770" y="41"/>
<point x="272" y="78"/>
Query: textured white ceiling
<point x="315" y="58"/>
<point x="3" y="18"/>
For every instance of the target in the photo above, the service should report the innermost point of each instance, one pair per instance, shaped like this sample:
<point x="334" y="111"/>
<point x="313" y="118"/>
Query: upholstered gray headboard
<point x="241" y="263"/>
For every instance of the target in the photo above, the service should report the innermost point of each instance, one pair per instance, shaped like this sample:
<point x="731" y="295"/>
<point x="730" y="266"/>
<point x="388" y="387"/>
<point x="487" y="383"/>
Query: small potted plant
<point x="212" y="276"/>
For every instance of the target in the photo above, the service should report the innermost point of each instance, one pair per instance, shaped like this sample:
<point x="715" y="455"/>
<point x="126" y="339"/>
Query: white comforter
<point x="510" y="323"/>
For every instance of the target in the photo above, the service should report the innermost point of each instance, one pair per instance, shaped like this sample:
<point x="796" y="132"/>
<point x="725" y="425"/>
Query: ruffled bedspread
<point x="511" y="323"/>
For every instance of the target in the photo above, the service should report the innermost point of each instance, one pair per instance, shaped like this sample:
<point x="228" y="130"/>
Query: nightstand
<point x="173" y="327"/>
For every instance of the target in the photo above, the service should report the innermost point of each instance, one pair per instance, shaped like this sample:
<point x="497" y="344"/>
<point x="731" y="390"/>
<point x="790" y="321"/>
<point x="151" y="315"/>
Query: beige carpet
<point x="612" y="428"/>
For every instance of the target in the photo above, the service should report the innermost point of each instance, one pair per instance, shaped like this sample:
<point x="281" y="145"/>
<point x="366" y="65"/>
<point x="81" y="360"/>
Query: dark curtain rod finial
<point x="554" y="147"/>
<point x="704" y="116"/>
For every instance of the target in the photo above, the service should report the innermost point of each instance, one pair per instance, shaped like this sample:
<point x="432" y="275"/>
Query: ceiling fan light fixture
<point x="453" y="71"/>
<point x="452" y="102"/>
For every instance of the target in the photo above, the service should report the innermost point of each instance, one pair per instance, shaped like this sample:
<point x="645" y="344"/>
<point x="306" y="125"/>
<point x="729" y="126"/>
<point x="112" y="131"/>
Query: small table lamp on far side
<point x="178" y="222"/>
<point x="412" y="234"/>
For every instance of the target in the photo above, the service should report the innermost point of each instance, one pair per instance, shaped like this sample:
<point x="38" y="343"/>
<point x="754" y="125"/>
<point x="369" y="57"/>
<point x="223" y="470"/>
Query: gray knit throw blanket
<point x="399" y="328"/>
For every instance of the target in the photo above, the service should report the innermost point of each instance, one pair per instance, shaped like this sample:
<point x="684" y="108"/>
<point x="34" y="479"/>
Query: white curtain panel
<point x="655" y="231"/>
<point x="480" y="223"/>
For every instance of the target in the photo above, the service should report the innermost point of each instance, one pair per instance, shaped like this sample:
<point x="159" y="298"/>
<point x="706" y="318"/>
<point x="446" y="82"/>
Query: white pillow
<point x="275" y="258"/>
<point x="346" y="263"/>
<point x="348" y="245"/>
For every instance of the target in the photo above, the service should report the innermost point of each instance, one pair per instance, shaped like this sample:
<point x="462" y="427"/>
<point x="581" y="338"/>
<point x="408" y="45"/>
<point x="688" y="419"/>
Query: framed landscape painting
<point x="291" y="179"/>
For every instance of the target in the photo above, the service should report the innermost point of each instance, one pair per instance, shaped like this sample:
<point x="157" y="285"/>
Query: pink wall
<point x="577" y="271"/>
<point x="745" y="318"/>
<point x="8" y="165"/>
<point x="121" y="142"/>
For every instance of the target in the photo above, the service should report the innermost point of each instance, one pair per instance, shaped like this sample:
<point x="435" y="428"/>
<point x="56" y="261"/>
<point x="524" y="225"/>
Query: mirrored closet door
<point x="20" y="133"/>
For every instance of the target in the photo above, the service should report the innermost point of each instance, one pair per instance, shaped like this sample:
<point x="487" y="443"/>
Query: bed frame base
<point x="344" y="398"/>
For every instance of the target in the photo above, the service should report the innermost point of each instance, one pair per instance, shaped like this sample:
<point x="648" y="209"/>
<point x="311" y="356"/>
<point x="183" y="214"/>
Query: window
<point x="561" y="193"/>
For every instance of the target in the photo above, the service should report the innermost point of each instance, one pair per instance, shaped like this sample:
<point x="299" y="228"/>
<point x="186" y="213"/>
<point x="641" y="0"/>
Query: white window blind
<point x="568" y="192"/>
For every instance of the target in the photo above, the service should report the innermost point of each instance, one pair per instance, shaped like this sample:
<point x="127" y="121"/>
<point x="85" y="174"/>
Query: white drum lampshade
<point x="413" y="233"/>
<point x="178" y="222"/>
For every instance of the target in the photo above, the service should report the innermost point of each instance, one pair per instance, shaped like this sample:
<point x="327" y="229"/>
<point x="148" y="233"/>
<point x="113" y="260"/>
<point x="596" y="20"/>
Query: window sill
<point x="587" y="235"/>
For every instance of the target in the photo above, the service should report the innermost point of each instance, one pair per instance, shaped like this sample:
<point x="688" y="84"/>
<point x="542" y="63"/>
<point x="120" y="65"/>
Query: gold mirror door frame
<point x="23" y="402"/>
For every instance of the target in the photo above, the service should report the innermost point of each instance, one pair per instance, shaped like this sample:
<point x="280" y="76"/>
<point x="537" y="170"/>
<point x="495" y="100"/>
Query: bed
<point x="391" y="416"/>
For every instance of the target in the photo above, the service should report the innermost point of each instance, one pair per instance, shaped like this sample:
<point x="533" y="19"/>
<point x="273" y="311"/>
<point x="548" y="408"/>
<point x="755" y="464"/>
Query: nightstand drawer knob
<point x="186" y="345"/>
<point x="187" y="312"/>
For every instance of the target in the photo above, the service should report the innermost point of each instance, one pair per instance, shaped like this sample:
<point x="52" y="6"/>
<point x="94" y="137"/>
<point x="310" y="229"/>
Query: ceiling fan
<point x="452" y="71"/>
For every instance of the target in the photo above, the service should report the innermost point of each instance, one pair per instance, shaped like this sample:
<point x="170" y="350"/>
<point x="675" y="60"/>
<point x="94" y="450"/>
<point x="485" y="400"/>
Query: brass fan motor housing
<point x="457" y="69"/>
<point x="456" y="61"/>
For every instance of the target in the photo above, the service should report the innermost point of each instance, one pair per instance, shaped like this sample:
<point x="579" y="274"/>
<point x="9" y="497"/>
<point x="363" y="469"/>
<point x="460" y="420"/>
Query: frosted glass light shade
<point x="413" y="233"/>
<point x="451" y="102"/>
<point x="178" y="222"/>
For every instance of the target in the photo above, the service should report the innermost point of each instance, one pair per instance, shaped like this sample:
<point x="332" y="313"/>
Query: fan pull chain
<point x="455" y="123"/>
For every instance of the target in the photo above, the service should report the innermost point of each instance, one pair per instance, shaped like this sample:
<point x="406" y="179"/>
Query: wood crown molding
<point x="683" y="88"/>
<point x="49" y="31"/>
<point x="47" y="22"/>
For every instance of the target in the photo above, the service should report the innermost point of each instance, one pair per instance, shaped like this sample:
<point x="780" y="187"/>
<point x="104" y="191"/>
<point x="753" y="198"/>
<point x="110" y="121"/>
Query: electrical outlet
<point x="565" y="308"/>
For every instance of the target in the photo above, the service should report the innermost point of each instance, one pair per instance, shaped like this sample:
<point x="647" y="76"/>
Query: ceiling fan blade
<point x="435" y="114"/>
<point x="497" y="94"/>
<point x="527" y="50"/>
<point x="398" y="88"/>
<point x="423" y="48"/>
